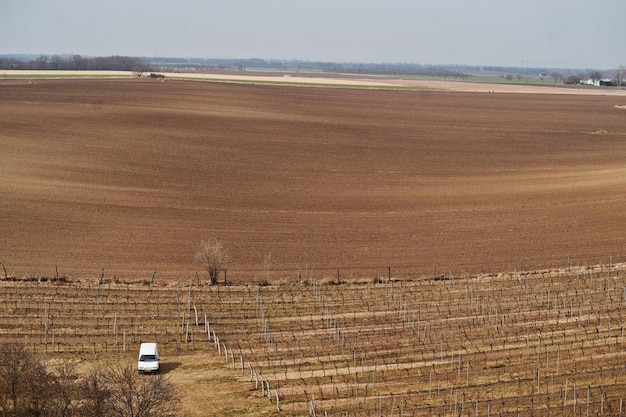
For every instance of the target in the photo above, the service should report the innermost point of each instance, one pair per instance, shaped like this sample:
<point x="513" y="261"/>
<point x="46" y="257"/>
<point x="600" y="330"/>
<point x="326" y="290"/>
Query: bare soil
<point x="122" y="177"/>
<point x="131" y="174"/>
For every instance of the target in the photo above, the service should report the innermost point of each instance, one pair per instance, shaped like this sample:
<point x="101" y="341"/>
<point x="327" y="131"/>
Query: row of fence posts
<point x="259" y="381"/>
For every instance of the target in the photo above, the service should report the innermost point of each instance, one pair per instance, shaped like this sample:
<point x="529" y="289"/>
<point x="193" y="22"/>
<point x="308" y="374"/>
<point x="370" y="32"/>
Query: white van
<point x="148" y="361"/>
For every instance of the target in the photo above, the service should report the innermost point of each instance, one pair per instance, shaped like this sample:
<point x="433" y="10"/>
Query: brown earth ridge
<point x="130" y="175"/>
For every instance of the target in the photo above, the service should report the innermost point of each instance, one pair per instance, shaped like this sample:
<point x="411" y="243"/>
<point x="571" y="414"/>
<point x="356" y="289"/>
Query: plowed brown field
<point x="130" y="175"/>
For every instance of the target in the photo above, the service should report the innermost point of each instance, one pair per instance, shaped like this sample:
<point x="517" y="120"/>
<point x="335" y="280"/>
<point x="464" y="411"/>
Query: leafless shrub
<point x="95" y="394"/>
<point x="212" y="257"/>
<point x="134" y="395"/>
<point x="25" y="385"/>
<point x="27" y="388"/>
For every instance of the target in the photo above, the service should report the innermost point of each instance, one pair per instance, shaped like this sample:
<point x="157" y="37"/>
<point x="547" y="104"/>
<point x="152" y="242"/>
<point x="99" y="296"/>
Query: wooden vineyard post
<point x="178" y="298"/>
<point x="313" y="406"/>
<point x="601" y="403"/>
<point x="189" y="298"/>
<point x="46" y="331"/>
<point x="430" y="385"/>
<point x="280" y="409"/>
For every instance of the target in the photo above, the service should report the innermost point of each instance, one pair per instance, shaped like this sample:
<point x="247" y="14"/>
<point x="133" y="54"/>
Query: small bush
<point x="27" y="388"/>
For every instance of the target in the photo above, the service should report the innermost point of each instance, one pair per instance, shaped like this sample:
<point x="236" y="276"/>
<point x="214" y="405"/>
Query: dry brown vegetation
<point x="404" y="197"/>
<point x="510" y="344"/>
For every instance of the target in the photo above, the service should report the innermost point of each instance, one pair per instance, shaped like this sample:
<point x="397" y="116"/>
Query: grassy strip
<point x="514" y="80"/>
<point x="487" y="79"/>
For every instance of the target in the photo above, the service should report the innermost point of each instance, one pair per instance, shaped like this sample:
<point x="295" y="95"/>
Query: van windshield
<point x="147" y="358"/>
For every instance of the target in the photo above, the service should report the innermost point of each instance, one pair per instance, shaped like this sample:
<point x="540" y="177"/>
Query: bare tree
<point x="573" y="79"/>
<point x="595" y="75"/>
<point x="25" y="385"/>
<point x="14" y="361"/>
<point x="63" y="390"/>
<point x="95" y="394"/>
<point x="38" y="391"/>
<point x="134" y="395"/>
<point x="140" y="69"/>
<point x="618" y="75"/>
<point x="27" y="388"/>
<point x="556" y="76"/>
<point x="212" y="257"/>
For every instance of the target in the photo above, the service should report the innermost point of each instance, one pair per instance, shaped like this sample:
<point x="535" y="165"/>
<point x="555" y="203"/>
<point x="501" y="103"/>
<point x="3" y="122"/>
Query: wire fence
<point x="370" y="272"/>
<point x="419" y="271"/>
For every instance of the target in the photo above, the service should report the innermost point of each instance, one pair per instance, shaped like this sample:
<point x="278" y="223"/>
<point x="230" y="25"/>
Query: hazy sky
<point x="534" y="33"/>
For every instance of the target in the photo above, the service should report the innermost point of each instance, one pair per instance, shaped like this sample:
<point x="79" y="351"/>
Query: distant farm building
<point x="598" y="83"/>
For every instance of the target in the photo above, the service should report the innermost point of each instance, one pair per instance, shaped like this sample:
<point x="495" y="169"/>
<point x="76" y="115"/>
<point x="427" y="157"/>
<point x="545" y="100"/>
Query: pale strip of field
<point x="248" y="78"/>
<point x="479" y="87"/>
<point x="348" y="80"/>
<point x="287" y="78"/>
<point x="431" y="84"/>
<point x="61" y="73"/>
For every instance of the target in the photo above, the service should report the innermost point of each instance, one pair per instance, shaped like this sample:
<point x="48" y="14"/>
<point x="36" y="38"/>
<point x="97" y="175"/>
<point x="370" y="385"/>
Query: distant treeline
<point x="397" y="69"/>
<point x="126" y="63"/>
<point x="73" y="62"/>
<point x="296" y="65"/>
<point x="459" y="71"/>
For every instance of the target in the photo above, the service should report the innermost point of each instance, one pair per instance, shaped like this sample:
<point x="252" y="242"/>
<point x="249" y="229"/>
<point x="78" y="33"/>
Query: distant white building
<point x="590" y="81"/>
<point x="597" y="83"/>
